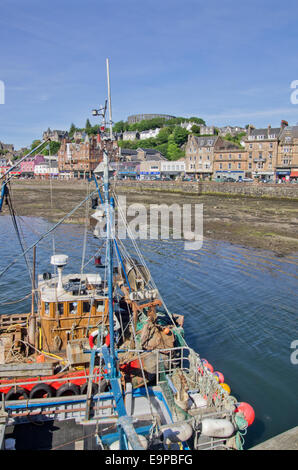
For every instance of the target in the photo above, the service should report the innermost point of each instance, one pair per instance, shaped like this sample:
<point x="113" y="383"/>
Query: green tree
<point x="88" y="125"/>
<point x="197" y="120"/>
<point x="180" y="135"/>
<point x="72" y="129"/>
<point x="163" y="136"/>
<point x="196" y="130"/>
<point x="52" y="148"/>
<point x="35" y="143"/>
<point x="119" y="126"/>
<point x="173" y="150"/>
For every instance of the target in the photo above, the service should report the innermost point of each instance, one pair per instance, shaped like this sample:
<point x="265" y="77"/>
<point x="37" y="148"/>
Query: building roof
<point x="290" y="132"/>
<point x="205" y="141"/>
<point x="266" y="132"/>
<point x="128" y="151"/>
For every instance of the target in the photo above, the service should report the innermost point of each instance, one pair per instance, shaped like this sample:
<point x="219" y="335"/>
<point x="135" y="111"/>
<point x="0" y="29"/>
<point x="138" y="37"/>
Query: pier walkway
<point x="286" y="441"/>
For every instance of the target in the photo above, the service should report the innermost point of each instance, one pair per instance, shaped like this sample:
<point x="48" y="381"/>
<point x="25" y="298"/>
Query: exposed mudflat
<point x="256" y="222"/>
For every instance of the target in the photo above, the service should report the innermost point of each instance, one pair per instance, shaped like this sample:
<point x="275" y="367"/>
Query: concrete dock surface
<point x="288" y="440"/>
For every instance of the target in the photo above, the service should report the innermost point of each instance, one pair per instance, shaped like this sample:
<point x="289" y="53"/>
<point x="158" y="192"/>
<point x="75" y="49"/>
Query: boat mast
<point x="109" y="207"/>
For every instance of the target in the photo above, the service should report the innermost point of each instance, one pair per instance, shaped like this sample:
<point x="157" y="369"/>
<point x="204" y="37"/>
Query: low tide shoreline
<point x="258" y="222"/>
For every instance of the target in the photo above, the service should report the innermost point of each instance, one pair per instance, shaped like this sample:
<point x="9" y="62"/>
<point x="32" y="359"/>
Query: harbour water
<point x="240" y="308"/>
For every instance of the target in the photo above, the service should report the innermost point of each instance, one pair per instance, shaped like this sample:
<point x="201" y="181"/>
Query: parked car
<point x="229" y="180"/>
<point x="247" y="180"/>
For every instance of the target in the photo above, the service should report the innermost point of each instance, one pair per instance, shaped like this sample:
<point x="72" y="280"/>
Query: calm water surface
<point x="240" y="308"/>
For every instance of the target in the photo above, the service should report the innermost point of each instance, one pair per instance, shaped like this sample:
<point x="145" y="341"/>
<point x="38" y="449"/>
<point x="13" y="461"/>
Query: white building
<point x="46" y="170"/>
<point x="150" y="133"/>
<point x="173" y="168"/>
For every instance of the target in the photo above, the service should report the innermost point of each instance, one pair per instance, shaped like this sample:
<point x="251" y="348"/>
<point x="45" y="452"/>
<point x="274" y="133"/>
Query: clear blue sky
<point x="229" y="62"/>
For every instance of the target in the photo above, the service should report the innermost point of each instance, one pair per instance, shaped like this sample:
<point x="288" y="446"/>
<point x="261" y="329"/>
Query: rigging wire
<point x="18" y="231"/>
<point x="46" y="234"/>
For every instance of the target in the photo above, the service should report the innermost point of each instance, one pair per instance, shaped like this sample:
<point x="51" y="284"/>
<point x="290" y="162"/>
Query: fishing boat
<point x="101" y="352"/>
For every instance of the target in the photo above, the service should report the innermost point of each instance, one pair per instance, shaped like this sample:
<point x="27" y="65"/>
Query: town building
<point x="287" y="156"/>
<point x="78" y="160"/>
<point x="127" y="154"/>
<point x="262" y="149"/>
<point x="145" y="154"/>
<point x="231" y="130"/>
<point x="55" y="135"/>
<point x="199" y="155"/>
<point x="188" y="125"/>
<point x="150" y="165"/>
<point x="6" y="147"/>
<point x="27" y="166"/>
<point x="207" y="130"/>
<point x="131" y="135"/>
<point x="46" y="170"/>
<point x="230" y="162"/>
<point x="150" y="133"/>
<point x="173" y="169"/>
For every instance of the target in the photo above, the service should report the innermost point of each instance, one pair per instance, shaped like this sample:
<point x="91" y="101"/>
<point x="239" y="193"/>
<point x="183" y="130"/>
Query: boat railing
<point x="199" y="378"/>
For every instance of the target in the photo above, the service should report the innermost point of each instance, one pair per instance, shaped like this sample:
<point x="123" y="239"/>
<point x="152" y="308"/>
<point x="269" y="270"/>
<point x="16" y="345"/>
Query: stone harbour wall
<point x="289" y="191"/>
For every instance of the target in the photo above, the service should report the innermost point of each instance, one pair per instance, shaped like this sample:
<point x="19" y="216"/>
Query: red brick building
<point x="79" y="159"/>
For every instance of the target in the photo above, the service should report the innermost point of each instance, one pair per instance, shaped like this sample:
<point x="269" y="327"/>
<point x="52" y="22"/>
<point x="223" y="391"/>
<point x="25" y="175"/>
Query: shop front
<point x="283" y="175"/>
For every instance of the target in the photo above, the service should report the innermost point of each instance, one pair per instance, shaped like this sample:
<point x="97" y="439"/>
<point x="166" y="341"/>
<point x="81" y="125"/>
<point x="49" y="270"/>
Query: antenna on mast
<point x="109" y="97"/>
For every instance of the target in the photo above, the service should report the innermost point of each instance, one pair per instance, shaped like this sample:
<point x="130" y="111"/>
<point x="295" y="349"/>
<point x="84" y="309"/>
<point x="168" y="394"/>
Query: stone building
<point x="55" y="135"/>
<point x="199" y="155"/>
<point x="262" y="149"/>
<point x="131" y="135"/>
<point x="141" y="117"/>
<point x="6" y="147"/>
<point x="287" y="156"/>
<point x="230" y="162"/>
<point x="230" y="130"/>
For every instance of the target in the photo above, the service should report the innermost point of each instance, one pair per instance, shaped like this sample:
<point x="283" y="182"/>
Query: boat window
<point x="86" y="307"/>
<point x="60" y="308"/>
<point x="100" y="306"/>
<point x="73" y="308"/>
<point x="47" y="308"/>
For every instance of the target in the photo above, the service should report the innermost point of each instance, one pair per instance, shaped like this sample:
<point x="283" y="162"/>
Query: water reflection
<point x="240" y="308"/>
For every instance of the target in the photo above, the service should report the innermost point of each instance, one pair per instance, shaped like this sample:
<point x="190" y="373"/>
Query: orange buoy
<point x="166" y="331"/>
<point x="226" y="387"/>
<point x="40" y="358"/>
<point x="248" y="412"/>
<point x="219" y="376"/>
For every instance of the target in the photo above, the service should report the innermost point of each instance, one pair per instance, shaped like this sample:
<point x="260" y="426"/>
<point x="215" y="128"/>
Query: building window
<point x="239" y="166"/>
<point x="250" y="155"/>
<point x="230" y="156"/>
<point x="220" y="157"/>
<point x="230" y="166"/>
<point x="249" y="166"/>
<point x="240" y="156"/>
<point x="220" y="166"/>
